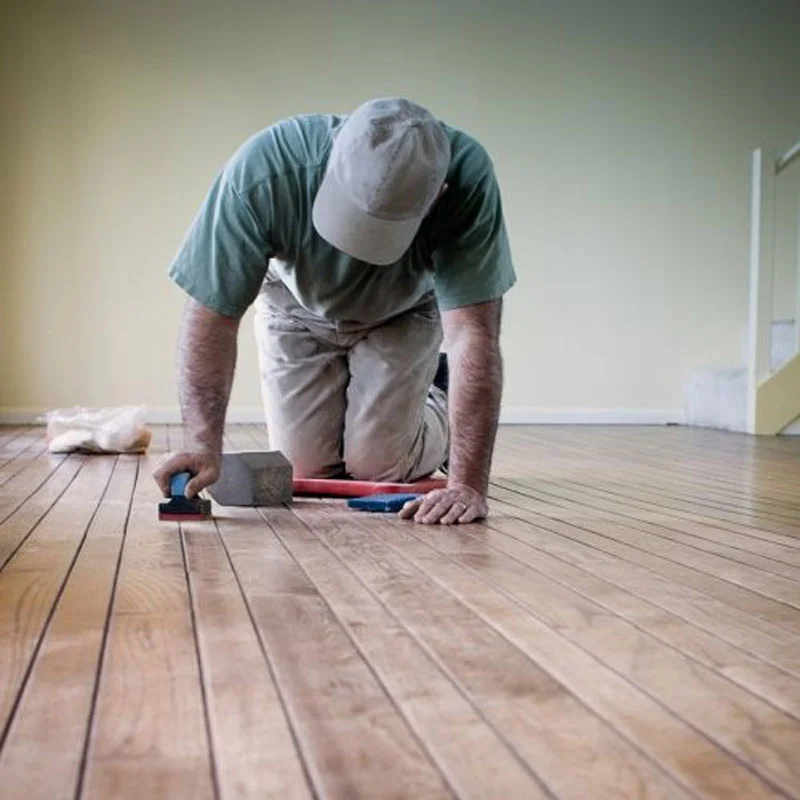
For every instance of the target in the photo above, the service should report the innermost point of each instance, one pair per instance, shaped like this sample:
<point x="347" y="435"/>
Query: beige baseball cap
<point x="387" y="166"/>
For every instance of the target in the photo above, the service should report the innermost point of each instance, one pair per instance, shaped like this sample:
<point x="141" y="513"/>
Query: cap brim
<point x="343" y="224"/>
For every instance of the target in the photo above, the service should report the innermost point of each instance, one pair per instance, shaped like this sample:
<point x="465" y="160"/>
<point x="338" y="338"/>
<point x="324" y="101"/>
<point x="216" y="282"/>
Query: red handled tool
<point x="332" y="487"/>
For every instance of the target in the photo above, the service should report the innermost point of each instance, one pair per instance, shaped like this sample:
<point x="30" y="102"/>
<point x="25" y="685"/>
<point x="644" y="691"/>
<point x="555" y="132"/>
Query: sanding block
<point x="180" y="508"/>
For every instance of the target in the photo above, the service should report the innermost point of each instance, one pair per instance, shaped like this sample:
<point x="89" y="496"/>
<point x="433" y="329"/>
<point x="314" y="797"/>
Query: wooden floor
<point x="626" y="625"/>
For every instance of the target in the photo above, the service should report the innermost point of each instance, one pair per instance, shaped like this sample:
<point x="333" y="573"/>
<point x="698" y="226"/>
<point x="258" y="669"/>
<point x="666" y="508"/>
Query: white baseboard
<point x="155" y="416"/>
<point x="21" y="416"/>
<point x="520" y="415"/>
<point x="511" y="415"/>
<point x="236" y="415"/>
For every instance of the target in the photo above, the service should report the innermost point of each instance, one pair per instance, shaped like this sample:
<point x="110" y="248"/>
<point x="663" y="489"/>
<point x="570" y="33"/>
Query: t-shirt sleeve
<point x="224" y="256"/>
<point x="472" y="264"/>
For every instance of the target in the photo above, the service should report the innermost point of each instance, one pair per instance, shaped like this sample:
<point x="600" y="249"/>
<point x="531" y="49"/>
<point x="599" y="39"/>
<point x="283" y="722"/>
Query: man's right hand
<point x="205" y="468"/>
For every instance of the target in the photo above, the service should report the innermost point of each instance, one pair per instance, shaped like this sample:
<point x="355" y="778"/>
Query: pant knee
<point x="311" y="462"/>
<point x="373" y="461"/>
<point x="316" y="470"/>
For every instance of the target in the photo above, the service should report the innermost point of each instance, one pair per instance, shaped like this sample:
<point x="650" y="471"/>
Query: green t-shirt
<point x="257" y="218"/>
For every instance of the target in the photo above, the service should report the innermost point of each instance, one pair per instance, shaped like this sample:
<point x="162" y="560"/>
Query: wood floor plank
<point x="148" y="737"/>
<point x="782" y="548"/>
<point x="16" y="442"/>
<point x="252" y="741"/>
<point x="650" y="579"/>
<point x="51" y="721"/>
<point x="352" y="738"/>
<point x="738" y="547"/>
<point x="757" y="733"/>
<point x="624" y="472"/>
<point x="625" y="624"/>
<point x="467" y="750"/>
<point x="8" y="432"/>
<point x="713" y="515"/>
<point x="580" y="569"/>
<point x="705" y="768"/>
<point x="766" y="611"/>
<point x="744" y="567"/>
<point x="12" y="468"/>
<point x="29" y="480"/>
<point x="621" y="469"/>
<point x="29" y="446"/>
<point x="594" y="452"/>
<point x="655" y="504"/>
<point x="720" y="457"/>
<point x="535" y="713"/>
<point x="670" y="495"/>
<point x="30" y="581"/>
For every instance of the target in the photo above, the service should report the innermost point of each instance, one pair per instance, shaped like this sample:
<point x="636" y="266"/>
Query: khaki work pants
<point x="343" y="399"/>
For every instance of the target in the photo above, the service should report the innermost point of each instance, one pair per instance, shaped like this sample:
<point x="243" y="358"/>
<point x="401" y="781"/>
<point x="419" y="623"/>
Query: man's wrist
<point x="203" y="442"/>
<point x="481" y="487"/>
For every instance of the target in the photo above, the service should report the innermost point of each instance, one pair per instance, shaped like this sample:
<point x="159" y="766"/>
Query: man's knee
<point x="315" y="456"/>
<point x="309" y="465"/>
<point x="367" y="459"/>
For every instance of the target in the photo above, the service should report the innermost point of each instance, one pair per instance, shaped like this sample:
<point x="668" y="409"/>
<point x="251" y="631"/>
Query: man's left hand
<point x="455" y="504"/>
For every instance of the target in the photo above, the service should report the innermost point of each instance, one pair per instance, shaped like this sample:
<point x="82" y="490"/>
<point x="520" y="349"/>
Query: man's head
<point x="386" y="169"/>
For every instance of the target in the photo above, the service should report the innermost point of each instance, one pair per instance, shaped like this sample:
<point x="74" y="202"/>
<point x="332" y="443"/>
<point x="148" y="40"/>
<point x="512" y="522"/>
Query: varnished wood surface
<point x="626" y="624"/>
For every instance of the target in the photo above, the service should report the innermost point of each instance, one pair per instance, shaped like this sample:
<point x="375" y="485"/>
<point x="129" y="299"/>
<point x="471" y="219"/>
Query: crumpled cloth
<point x="103" y="430"/>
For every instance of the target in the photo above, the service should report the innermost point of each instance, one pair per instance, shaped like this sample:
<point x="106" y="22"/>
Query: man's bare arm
<point x="472" y="338"/>
<point x="207" y="349"/>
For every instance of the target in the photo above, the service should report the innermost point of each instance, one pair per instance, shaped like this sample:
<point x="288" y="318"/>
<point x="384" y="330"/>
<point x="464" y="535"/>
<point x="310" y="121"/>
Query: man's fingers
<point x="203" y="472"/>
<point x="426" y="503"/>
<point x="164" y="473"/>
<point x="195" y="485"/>
<point x="470" y="515"/>
<point x="410" y="508"/>
<point x="205" y="477"/>
<point x="445" y="507"/>
<point x="432" y="514"/>
<point x="473" y="513"/>
<point x="457" y="510"/>
<point x="162" y="480"/>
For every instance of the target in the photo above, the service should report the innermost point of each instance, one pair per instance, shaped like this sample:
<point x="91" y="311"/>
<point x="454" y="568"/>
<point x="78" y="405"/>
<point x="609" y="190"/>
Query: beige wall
<point x="787" y="241"/>
<point x="621" y="132"/>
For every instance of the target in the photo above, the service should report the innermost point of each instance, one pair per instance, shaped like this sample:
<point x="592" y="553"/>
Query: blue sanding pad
<point x="381" y="502"/>
<point x="180" y="508"/>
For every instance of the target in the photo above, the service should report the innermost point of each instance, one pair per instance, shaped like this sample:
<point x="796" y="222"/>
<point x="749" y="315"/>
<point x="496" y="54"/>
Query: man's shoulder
<point x="470" y="162"/>
<point x="286" y="147"/>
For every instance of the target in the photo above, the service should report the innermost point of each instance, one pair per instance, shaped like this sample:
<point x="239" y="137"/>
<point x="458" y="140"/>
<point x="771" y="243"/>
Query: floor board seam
<point x="536" y="523"/>
<point x="372" y="670"/>
<point x="101" y="659"/>
<point x="37" y="489"/>
<point x="626" y="520"/>
<point x="600" y="493"/>
<point x="665" y="558"/>
<point x="433" y="658"/>
<point x="635" y="625"/>
<point x="291" y="723"/>
<point x="52" y="610"/>
<point x="524" y="607"/>
<point x="215" y="782"/>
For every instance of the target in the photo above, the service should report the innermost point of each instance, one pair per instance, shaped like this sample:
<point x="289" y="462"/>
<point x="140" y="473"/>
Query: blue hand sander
<point x="381" y="502"/>
<point x="180" y="508"/>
